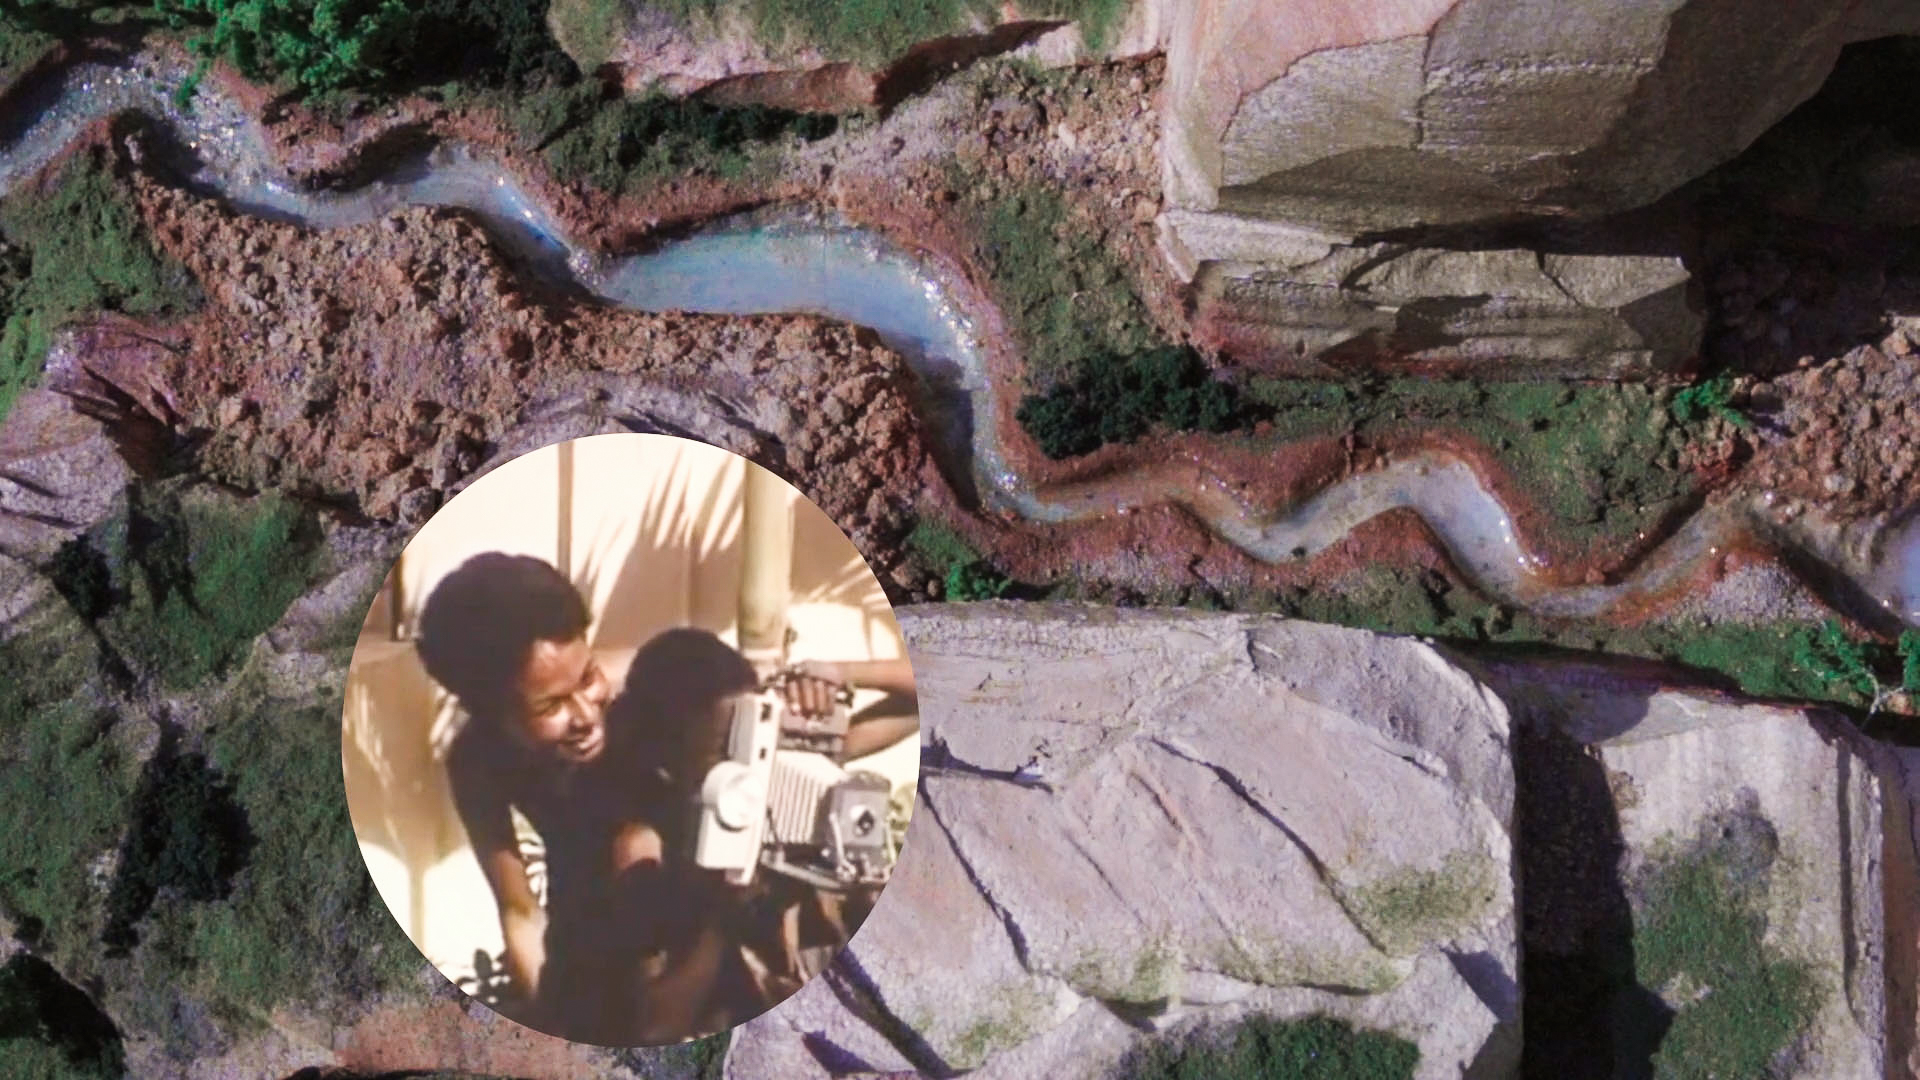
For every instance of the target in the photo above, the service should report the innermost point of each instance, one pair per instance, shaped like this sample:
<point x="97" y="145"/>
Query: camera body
<point x="781" y="801"/>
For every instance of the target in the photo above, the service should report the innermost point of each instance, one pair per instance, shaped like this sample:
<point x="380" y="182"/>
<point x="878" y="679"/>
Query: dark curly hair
<point x="481" y="621"/>
<point x="676" y="680"/>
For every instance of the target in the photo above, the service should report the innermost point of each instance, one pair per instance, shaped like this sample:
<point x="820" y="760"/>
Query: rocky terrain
<point x="1371" y="238"/>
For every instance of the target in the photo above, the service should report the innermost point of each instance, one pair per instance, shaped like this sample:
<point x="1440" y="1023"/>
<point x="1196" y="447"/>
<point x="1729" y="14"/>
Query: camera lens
<point x="863" y="821"/>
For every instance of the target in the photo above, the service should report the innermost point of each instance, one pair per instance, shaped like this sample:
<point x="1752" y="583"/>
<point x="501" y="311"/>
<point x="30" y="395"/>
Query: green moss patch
<point x="1601" y="460"/>
<point x="1314" y="1048"/>
<point x="79" y="249"/>
<point x="185" y="581"/>
<point x="1068" y="301"/>
<point x="56" y="743"/>
<point x="303" y="921"/>
<point x="623" y="146"/>
<point x="187" y="837"/>
<point x="1777" y="659"/>
<point x="963" y="574"/>
<point x="1408" y="908"/>
<point x="1699" y="941"/>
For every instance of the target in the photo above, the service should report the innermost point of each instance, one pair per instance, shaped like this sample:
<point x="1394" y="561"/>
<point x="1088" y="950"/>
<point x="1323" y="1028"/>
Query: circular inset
<point x="627" y="739"/>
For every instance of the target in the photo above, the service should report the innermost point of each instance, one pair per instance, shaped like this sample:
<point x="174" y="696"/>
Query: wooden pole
<point x="766" y="571"/>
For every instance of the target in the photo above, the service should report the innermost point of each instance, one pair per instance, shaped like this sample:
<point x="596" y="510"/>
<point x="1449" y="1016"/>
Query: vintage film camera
<point x="781" y="801"/>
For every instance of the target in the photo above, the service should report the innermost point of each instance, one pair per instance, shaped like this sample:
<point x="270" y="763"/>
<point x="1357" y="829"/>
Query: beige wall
<point x="652" y="540"/>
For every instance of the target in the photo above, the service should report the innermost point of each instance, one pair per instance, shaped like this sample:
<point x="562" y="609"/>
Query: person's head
<point x="507" y="636"/>
<point x="675" y="695"/>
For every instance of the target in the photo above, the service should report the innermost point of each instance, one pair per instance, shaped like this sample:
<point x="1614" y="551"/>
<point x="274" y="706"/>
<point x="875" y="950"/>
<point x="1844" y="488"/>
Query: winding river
<point x="826" y="268"/>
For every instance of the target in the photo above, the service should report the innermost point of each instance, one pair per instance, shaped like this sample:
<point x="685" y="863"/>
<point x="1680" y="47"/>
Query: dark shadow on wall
<point x="1586" y="1016"/>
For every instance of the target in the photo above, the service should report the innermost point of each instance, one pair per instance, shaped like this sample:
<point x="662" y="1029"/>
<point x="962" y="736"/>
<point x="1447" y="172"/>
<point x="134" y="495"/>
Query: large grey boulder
<point x="1141" y="822"/>
<point x="1367" y="115"/>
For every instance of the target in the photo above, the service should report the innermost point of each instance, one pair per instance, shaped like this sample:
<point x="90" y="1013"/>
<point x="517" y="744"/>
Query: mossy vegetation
<point x="1763" y="659"/>
<point x="1007" y="1016"/>
<point x="1603" y="461"/>
<point x="589" y="29"/>
<point x="187" y="837"/>
<point x="20" y="48"/>
<point x="1700" y="942"/>
<point x="189" y="582"/>
<point x="1409" y="907"/>
<point x="1148" y="974"/>
<point x="876" y="31"/>
<point x="303" y="921"/>
<point x="623" y="145"/>
<point x="963" y="574"/>
<point x="1312" y="1048"/>
<point x="50" y="1030"/>
<point x="56" y="742"/>
<point x="78" y="248"/>
<point x="1067" y="299"/>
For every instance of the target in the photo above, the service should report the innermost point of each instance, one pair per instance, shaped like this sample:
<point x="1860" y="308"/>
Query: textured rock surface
<point x="729" y="56"/>
<point x="1377" y="114"/>
<point x="1387" y="305"/>
<point x="1190" y="847"/>
<point x="1143" y="824"/>
<point x="1791" y="811"/>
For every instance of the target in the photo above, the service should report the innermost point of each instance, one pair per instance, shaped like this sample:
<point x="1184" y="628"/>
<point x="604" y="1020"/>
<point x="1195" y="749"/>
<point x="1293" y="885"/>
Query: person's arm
<point x="871" y="736"/>
<point x="488" y="820"/>
<point x="523" y="922"/>
<point x="815" y="682"/>
<point x="672" y="1002"/>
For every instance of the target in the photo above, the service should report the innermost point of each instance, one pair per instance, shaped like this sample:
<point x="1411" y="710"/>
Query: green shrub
<point x="489" y="43"/>
<point x="79" y="249"/>
<point x="316" y="45"/>
<point x="963" y="573"/>
<point x="1313" y="1048"/>
<point x="621" y="145"/>
<point x="975" y="581"/>
<point x="1117" y="399"/>
<point x="1711" y="398"/>
<point x="187" y="836"/>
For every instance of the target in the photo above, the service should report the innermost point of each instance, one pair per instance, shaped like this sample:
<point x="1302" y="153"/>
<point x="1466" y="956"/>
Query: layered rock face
<point x="1335" y="121"/>
<point x="1141" y="828"/>
<point x="1368" y="115"/>
<point x="1498" y="313"/>
<point x="729" y="57"/>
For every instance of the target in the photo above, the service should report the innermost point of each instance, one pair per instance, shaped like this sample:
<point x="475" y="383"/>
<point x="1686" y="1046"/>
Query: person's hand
<point x="812" y="687"/>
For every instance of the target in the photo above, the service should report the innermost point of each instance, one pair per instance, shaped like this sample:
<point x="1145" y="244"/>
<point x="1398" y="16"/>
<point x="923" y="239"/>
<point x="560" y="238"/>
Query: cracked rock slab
<point x="1146" y="815"/>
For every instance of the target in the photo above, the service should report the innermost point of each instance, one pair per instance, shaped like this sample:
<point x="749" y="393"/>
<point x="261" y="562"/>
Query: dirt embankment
<point x="377" y="365"/>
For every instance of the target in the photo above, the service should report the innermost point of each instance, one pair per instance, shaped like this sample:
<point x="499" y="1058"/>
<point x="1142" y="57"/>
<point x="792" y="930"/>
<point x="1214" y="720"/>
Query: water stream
<point x="826" y="268"/>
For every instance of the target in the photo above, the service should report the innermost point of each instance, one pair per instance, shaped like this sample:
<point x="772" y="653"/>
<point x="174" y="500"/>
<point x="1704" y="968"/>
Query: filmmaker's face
<point x="563" y="698"/>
